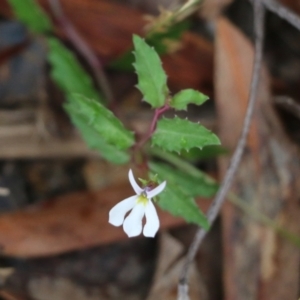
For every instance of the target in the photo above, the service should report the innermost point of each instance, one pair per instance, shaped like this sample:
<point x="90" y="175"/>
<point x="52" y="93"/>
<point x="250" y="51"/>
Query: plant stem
<point x="180" y="164"/>
<point x="158" y="112"/>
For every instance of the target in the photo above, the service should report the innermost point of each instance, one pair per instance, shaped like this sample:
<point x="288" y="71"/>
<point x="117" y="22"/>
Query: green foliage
<point x="28" y="12"/>
<point x="68" y="73"/>
<point x="191" y="185"/>
<point x="98" y="117"/>
<point x="95" y="141"/>
<point x="207" y="152"/>
<point x="152" y="80"/>
<point x="105" y="133"/>
<point x="178" y="204"/>
<point x="185" y="97"/>
<point x="176" y="198"/>
<point x="177" y="134"/>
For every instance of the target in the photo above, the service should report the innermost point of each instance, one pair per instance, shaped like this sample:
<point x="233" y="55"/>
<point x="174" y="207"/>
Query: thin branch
<point x="169" y="18"/>
<point x="236" y="158"/>
<point x="238" y="202"/>
<point x="283" y="12"/>
<point x="289" y="104"/>
<point x="84" y="50"/>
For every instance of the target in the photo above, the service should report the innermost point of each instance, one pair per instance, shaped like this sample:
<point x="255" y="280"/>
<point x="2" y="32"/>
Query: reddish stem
<point x="158" y="112"/>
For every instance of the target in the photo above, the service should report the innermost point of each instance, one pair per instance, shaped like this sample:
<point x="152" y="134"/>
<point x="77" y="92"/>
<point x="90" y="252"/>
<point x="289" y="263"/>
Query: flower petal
<point x="118" y="212"/>
<point x="152" y="221"/>
<point x="133" y="223"/>
<point x="133" y="183"/>
<point x="157" y="190"/>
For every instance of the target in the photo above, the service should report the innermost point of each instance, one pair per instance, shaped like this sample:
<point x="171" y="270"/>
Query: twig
<point x="168" y="19"/>
<point x="84" y="50"/>
<point x="289" y="104"/>
<point x="236" y="158"/>
<point x="238" y="202"/>
<point x="283" y="12"/>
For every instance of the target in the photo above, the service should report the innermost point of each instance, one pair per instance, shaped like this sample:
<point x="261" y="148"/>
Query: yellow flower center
<point x="142" y="199"/>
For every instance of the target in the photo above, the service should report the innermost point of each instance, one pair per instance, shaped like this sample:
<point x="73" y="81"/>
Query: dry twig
<point x="236" y="158"/>
<point x="289" y="104"/>
<point x="283" y="12"/>
<point x="84" y="50"/>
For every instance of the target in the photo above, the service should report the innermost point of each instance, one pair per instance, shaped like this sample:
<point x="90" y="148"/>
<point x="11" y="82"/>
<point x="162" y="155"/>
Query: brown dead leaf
<point x="74" y="221"/>
<point x="109" y="35"/>
<point x="98" y="22"/>
<point x="192" y="65"/>
<point x="258" y="263"/>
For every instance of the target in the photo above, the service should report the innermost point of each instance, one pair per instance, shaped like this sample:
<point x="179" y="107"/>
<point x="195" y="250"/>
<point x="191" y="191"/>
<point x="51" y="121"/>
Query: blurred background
<point x="55" y="239"/>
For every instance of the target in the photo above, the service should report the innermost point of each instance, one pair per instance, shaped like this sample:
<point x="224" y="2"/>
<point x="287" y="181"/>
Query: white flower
<point x="141" y="205"/>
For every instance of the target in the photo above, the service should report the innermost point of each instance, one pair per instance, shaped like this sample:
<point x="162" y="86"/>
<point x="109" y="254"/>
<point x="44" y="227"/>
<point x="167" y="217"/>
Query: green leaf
<point x="178" y="203"/>
<point x="95" y="141"/>
<point x="30" y="13"/>
<point x="102" y="120"/>
<point x="191" y="185"/>
<point x="207" y="152"/>
<point x="181" y="205"/>
<point x="177" y="134"/>
<point x="185" y="97"/>
<point x="68" y="73"/>
<point x="152" y="80"/>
